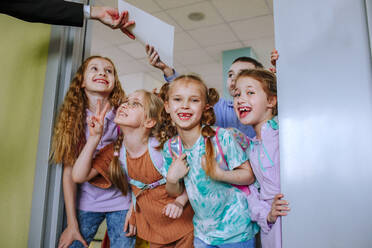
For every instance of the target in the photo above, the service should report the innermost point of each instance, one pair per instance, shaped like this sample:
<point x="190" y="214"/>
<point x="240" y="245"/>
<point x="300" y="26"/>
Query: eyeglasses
<point x="131" y="104"/>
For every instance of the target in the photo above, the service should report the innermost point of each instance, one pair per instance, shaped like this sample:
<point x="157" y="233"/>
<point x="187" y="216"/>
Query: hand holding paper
<point x="110" y="17"/>
<point x="151" y="30"/>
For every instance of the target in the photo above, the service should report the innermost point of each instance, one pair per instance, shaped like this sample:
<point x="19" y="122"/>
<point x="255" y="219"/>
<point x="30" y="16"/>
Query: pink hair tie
<point x="116" y="154"/>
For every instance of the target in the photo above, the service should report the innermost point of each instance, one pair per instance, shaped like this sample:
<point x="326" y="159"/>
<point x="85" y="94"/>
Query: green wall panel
<point x="24" y="53"/>
<point x="228" y="57"/>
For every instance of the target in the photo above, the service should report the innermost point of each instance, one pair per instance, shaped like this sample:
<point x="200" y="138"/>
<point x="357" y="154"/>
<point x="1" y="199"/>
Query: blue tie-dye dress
<point x="221" y="210"/>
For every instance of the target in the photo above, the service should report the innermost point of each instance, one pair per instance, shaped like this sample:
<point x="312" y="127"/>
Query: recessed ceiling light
<point x="196" y="16"/>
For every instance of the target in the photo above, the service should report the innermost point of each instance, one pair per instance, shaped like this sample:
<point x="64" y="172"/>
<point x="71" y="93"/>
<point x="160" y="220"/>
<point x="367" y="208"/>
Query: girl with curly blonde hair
<point x="94" y="85"/>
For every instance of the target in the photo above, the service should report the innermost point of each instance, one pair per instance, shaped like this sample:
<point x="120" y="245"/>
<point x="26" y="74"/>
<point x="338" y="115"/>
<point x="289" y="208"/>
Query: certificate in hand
<point x="151" y="30"/>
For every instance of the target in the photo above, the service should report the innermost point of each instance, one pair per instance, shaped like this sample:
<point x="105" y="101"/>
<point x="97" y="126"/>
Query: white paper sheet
<point x="151" y="30"/>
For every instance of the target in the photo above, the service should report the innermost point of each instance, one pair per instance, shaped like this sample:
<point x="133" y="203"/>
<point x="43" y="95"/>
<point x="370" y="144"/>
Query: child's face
<point x="186" y="104"/>
<point x="131" y="113"/>
<point x="251" y="103"/>
<point x="99" y="76"/>
<point x="234" y="71"/>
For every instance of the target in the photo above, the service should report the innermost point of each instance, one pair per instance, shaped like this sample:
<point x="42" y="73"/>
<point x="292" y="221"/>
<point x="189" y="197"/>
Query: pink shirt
<point x="94" y="199"/>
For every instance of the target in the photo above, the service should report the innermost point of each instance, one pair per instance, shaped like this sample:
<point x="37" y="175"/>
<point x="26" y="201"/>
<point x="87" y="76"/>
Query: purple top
<point x="264" y="158"/>
<point x="92" y="198"/>
<point x="265" y="162"/>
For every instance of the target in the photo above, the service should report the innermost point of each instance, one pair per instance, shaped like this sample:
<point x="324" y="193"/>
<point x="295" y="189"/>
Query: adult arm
<point x="59" y="12"/>
<point x="56" y="12"/>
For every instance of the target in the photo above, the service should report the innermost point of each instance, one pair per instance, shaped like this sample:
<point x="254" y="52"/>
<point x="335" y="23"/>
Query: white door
<point x="325" y="113"/>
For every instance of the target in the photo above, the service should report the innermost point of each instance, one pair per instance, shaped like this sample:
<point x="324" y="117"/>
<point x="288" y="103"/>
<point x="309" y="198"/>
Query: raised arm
<point x="82" y="170"/>
<point x="60" y="12"/>
<point x="177" y="170"/>
<point x="155" y="61"/>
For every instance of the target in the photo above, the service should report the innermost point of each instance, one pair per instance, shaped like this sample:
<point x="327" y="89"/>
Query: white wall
<point x="136" y="81"/>
<point x="325" y="112"/>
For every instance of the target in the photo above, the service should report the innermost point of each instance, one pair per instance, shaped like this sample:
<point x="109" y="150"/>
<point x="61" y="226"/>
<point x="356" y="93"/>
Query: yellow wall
<point x="23" y="59"/>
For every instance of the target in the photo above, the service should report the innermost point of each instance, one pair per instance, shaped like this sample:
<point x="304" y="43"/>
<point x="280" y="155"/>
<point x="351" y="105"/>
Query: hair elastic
<point x="116" y="154"/>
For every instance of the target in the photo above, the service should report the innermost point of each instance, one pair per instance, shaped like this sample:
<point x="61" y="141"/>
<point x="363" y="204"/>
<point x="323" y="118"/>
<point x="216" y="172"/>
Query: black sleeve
<point x="57" y="12"/>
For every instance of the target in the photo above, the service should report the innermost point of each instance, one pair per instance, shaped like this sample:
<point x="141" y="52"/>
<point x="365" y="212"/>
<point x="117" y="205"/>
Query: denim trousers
<point x="198" y="243"/>
<point x="90" y="221"/>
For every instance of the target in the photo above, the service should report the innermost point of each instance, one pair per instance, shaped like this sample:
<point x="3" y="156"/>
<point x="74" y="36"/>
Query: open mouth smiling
<point x="244" y="111"/>
<point x="184" y="116"/>
<point x="101" y="81"/>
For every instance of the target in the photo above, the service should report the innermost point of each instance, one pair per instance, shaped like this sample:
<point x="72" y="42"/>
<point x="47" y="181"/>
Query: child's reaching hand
<point x="129" y="227"/>
<point x="278" y="208"/>
<point x="96" y="121"/>
<point x="173" y="210"/>
<point x="273" y="59"/>
<point x="178" y="169"/>
<point x="155" y="61"/>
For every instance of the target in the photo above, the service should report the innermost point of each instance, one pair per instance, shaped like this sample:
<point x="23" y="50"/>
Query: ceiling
<point x="228" y="24"/>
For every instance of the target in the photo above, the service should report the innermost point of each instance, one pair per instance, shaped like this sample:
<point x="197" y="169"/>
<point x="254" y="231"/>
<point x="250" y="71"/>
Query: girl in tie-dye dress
<point x="222" y="218"/>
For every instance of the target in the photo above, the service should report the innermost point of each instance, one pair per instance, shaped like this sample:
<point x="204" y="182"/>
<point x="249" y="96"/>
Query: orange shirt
<point x="151" y="224"/>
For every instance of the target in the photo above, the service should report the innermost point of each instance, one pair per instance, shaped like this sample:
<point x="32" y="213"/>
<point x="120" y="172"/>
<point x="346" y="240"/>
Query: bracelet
<point x="178" y="204"/>
<point x="170" y="181"/>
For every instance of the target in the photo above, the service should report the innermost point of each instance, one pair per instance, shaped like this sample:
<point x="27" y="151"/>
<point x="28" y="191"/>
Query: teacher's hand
<point x="111" y="17"/>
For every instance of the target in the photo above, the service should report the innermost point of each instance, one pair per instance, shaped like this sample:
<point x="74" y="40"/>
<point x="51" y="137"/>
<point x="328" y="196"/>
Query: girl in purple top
<point x="255" y="103"/>
<point x="95" y="84"/>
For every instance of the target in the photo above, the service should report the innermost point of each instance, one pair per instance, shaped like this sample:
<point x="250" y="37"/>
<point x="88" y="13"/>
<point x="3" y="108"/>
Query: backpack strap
<point x="156" y="156"/>
<point x="142" y="186"/>
<point x="175" y="146"/>
<point x="170" y="148"/>
<point x="219" y="146"/>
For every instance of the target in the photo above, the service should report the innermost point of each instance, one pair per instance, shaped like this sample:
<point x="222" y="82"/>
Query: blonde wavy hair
<point x="69" y="131"/>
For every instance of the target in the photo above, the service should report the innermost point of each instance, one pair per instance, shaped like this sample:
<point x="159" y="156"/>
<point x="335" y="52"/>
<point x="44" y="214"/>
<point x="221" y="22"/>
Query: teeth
<point x="184" y="115"/>
<point x="244" y="109"/>
<point x="101" y="81"/>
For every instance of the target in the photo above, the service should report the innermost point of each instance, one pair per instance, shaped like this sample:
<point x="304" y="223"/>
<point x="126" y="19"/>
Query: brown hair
<point x="152" y="105"/>
<point x="208" y="118"/>
<point x="69" y="131"/>
<point x="256" y="64"/>
<point x="267" y="80"/>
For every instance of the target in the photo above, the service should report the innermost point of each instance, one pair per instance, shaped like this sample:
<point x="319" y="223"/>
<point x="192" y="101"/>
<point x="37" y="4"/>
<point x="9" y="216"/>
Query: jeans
<point x="198" y="243"/>
<point x="90" y="221"/>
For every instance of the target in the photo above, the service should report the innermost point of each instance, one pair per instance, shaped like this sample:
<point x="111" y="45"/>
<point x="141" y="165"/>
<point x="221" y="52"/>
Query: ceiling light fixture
<point x="196" y="16"/>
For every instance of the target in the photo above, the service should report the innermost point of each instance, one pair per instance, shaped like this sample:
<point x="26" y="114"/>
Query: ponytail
<point x="116" y="174"/>
<point x="207" y="120"/>
<point x="165" y="130"/>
